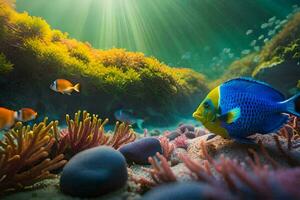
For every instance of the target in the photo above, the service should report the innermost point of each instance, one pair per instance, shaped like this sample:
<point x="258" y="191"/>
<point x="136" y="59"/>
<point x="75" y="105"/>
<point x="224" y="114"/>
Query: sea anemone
<point x="89" y="132"/>
<point x="24" y="156"/>
<point x="167" y="147"/>
<point x="257" y="181"/>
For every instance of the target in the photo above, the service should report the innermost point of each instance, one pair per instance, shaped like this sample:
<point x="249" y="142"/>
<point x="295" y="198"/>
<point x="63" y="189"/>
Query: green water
<point x="187" y="33"/>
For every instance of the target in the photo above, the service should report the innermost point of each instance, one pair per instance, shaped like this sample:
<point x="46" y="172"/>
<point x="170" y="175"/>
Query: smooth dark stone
<point x="173" y="135"/>
<point x="186" y="127"/>
<point x="190" y="135"/>
<point x="179" y="191"/>
<point x="139" y="151"/>
<point x="94" y="172"/>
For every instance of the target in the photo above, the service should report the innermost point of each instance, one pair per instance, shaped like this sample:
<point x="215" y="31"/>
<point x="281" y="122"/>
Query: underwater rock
<point x="154" y="133"/>
<point x="174" y="159"/>
<point x="88" y="173"/>
<point x="139" y="151"/>
<point x="190" y="135"/>
<point x="180" y="191"/>
<point x="219" y="147"/>
<point x="172" y="135"/>
<point x="289" y="73"/>
<point x="186" y="127"/>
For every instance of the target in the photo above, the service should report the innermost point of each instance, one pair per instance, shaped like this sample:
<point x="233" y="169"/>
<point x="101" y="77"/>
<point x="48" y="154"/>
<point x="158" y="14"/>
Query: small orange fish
<point x="64" y="86"/>
<point x="26" y="114"/>
<point x="9" y="117"/>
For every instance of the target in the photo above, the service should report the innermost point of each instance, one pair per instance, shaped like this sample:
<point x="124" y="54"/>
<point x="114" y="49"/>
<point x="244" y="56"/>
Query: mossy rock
<point x="110" y="79"/>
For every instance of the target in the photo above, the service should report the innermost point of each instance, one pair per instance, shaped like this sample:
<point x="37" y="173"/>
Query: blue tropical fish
<point x="243" y="106"/>
<point x="127" y="116"/>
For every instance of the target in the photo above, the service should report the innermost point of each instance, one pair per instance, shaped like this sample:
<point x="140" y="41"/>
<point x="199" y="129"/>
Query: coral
<point x="291" y="131"/>
<point x="167" y="147"/>
<point x="88" y="131"/>
<point x="181" y="142"/>
<point x="257" y="181"/>
<point x="96" y="171"/>
<point x="287" y="153"/>
<point x="24" y="156"/>
<point x="161" y="171"/>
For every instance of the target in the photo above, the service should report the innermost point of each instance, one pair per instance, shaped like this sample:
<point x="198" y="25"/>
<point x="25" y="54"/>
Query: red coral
<point x="166" y="146"/>
<point x="181" y="141"/>
<point x="89" y="132"/>
<point x="229" y="175"/>
<point x="161" y="172"/>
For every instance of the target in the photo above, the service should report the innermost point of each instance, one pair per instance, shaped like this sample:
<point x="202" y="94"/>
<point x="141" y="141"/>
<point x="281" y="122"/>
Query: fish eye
<point x="206" y="104"/>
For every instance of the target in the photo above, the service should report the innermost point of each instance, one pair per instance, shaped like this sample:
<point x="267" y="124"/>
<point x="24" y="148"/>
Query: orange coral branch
<point x="24" y="156"/>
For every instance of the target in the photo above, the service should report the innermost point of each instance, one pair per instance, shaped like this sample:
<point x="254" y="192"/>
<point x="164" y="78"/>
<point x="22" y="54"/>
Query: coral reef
<point x="291" y="132"/>
<point x="278" y="57"/>
<point x="167" y="147"/>
<point x="108" y="75"/>
<point x="87" y="131"/>
<point x="94" y="172"/>
<point x="240" y="180"/>
<point x="24" y="156"/>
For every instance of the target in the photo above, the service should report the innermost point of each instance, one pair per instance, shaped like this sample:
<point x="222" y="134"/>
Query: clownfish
<point x="242" y="107"/>
<point x="9" y="117"/>
<point x="64" y="86"/>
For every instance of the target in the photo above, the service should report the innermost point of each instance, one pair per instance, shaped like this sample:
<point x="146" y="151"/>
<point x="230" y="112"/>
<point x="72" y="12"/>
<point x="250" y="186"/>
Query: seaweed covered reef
<point x="220" y="168"/>
<point x="276" y="63"/>
<point x="31" y="154"/>
<point x="34" y="54"/>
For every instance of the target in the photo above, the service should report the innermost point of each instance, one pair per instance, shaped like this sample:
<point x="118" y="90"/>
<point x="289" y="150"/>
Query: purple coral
<point x="229" y="175"/>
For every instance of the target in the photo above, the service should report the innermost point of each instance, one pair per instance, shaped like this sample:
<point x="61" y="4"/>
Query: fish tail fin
<point x="139" y="124"/>
<point x="76" y="87"/>
<point x="292" y="105"/>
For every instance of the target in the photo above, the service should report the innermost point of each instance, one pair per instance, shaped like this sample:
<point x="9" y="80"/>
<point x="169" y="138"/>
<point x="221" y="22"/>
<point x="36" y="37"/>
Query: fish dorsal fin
<point x="248" y="84"/>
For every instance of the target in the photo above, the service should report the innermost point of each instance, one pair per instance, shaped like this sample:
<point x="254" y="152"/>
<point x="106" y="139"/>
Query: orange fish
<point x="26" y="114"/>
<point x="9" y="117"/>
<point x="64" y="86"/>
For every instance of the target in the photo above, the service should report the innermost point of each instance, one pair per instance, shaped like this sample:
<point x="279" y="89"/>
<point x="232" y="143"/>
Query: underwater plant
<point x="24" y="156"/>
<point x="241" y="180"/>
<point x="5" y="65"/>
<point x="167" y="147"/>
<point x="111" y="74"/>
<point x="86" y="131"/>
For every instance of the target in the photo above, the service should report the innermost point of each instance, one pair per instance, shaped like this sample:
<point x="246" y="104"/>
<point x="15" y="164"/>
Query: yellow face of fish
<point x="207" y="113"/>
<point x="208" y="109"/>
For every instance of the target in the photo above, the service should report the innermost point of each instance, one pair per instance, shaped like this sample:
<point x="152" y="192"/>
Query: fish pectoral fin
<point x="245" y="140"/>
<point x="231" y="116"/>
